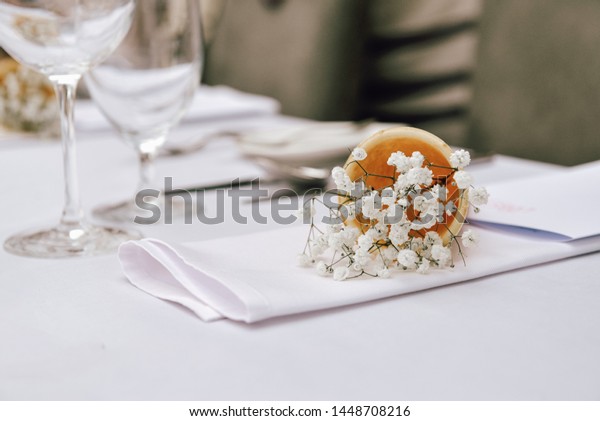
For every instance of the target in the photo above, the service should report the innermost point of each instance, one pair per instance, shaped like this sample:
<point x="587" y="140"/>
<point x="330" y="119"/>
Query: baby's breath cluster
<point x="27" y="102"/>
<point x="378" y="231"/>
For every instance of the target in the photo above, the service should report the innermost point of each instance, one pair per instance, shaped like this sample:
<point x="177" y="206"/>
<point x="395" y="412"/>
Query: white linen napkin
<point x="255" y="277"/>
<point x="209" y="103"/>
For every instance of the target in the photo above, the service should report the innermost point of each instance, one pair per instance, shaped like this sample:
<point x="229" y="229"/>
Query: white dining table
<point x="76" y="329"/>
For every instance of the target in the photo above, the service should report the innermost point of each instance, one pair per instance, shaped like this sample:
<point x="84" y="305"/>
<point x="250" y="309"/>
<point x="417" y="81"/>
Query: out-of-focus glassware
<point x="27" y="100"/>
<point x="147" y="84"/>
<point x="63" y="40"/>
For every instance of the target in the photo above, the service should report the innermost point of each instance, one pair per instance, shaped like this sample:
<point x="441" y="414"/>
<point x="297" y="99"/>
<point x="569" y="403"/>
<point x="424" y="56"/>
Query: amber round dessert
<point x="382" y="144"/>
<point x="7" y="65"/>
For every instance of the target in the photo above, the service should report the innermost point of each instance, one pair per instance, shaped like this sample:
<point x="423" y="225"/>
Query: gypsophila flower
<point x="400" y="225"/>
<point x="424" y="221"/>
<point x="371" y="204"/>
<point x="381" y="228"/>
<point x="469" y="238"/>
<point x="383" y="273"/>
<point x="402" y="185"/>
<point x="364" y="242"/>
<point x="343" y="239"/>
<point x="460" y="159"/>
<point x="322" y="240"/>
<point x="337" y="173"/>
<point x="340" y="273"/>
<point x="362" y="256"/>
<point x="316" y="248"/>
<point x="350" y="235"/>
<point x="375" y="234"/>
<point x="400" y="161"/>
<point x="399" y="233"/>
<point x="416" y="244"/>
<point x="315" y="251"/>
<point x="335" y="242"/>
<point x="335" y="228"/>
<point x="417" y="159"/>
<point x="341" y="179"/>
<point x="388" y="196"/>
<point x="393" y="214"/>
<point x="408" y="258"/>
<point x="359" y="154"/>
<point x="322" y="269"/>
<point x="424" y="266"/>
<point x="419" y="176"/>
<point x="349" y="210"/>
<point x="389" y="255"/>
<point x="304" y="260"/>
<point x="431" y="239"/>
<point x="425" y="205"/>
<point x="463" y="179"/>
<point x="478" y="196"/>
<point x="438" y="192"/>
<point x="441" y="255"/>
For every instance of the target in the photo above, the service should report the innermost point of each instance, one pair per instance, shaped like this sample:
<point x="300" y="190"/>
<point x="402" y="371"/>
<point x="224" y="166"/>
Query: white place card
<point x="562" y="206"/>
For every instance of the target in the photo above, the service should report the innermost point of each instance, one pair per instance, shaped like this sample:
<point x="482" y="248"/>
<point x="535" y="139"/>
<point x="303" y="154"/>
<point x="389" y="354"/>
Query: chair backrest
<point x="302" y="52"/>
<point x="418" y="63"/>
<point x="537" y="82"/>
<point x="407" y="61"/>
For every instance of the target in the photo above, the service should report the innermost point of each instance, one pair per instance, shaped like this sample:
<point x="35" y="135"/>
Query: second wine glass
<point x="147" y="84"/>
<point x="63" y="40"/>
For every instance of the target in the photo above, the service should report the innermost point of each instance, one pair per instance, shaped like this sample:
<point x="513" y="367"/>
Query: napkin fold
<point x="209" y="103"/>
<point x="255" y="277"/>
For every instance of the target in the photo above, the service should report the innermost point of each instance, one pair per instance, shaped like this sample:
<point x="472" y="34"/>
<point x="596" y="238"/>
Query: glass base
<point x="69" y="241"/>
<point x="121" y="213"/>
<point x="125" y="213"/>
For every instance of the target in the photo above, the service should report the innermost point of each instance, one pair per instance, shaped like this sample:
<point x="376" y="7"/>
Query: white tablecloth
<point x="76" y="329"/>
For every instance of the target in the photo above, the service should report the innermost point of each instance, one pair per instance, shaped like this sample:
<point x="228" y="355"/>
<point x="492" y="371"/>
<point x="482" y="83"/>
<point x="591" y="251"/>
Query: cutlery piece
<point x="298" y="179"/>
<point x="194" y="145"/>
<point x="222" y="185"/>
<point x="296" y="175"/>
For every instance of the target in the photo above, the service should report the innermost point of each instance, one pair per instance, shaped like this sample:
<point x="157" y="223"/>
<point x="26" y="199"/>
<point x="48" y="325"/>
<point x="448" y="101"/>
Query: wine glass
<point x="63" y="40"/>
<point x="147" y="83"/>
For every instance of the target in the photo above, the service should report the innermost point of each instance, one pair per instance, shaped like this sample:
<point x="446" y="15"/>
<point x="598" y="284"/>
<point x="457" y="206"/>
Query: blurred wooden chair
<point x="537" y="83"/>
<point x="407" y="61"/>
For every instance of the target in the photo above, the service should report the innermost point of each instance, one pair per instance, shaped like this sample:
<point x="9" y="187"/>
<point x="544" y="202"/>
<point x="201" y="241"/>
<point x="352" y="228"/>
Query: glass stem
<point x="147" y="173"/>
<point x="65" y="87"/>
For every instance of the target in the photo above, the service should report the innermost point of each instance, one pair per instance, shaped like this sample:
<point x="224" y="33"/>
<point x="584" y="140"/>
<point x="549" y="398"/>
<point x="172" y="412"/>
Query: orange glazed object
<point x="382" y="144"/>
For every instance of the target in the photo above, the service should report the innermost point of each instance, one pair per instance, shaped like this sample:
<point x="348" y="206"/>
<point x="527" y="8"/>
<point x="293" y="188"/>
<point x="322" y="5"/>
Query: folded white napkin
<point x="209" y="103"/>
<point x="255" y="277"/>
